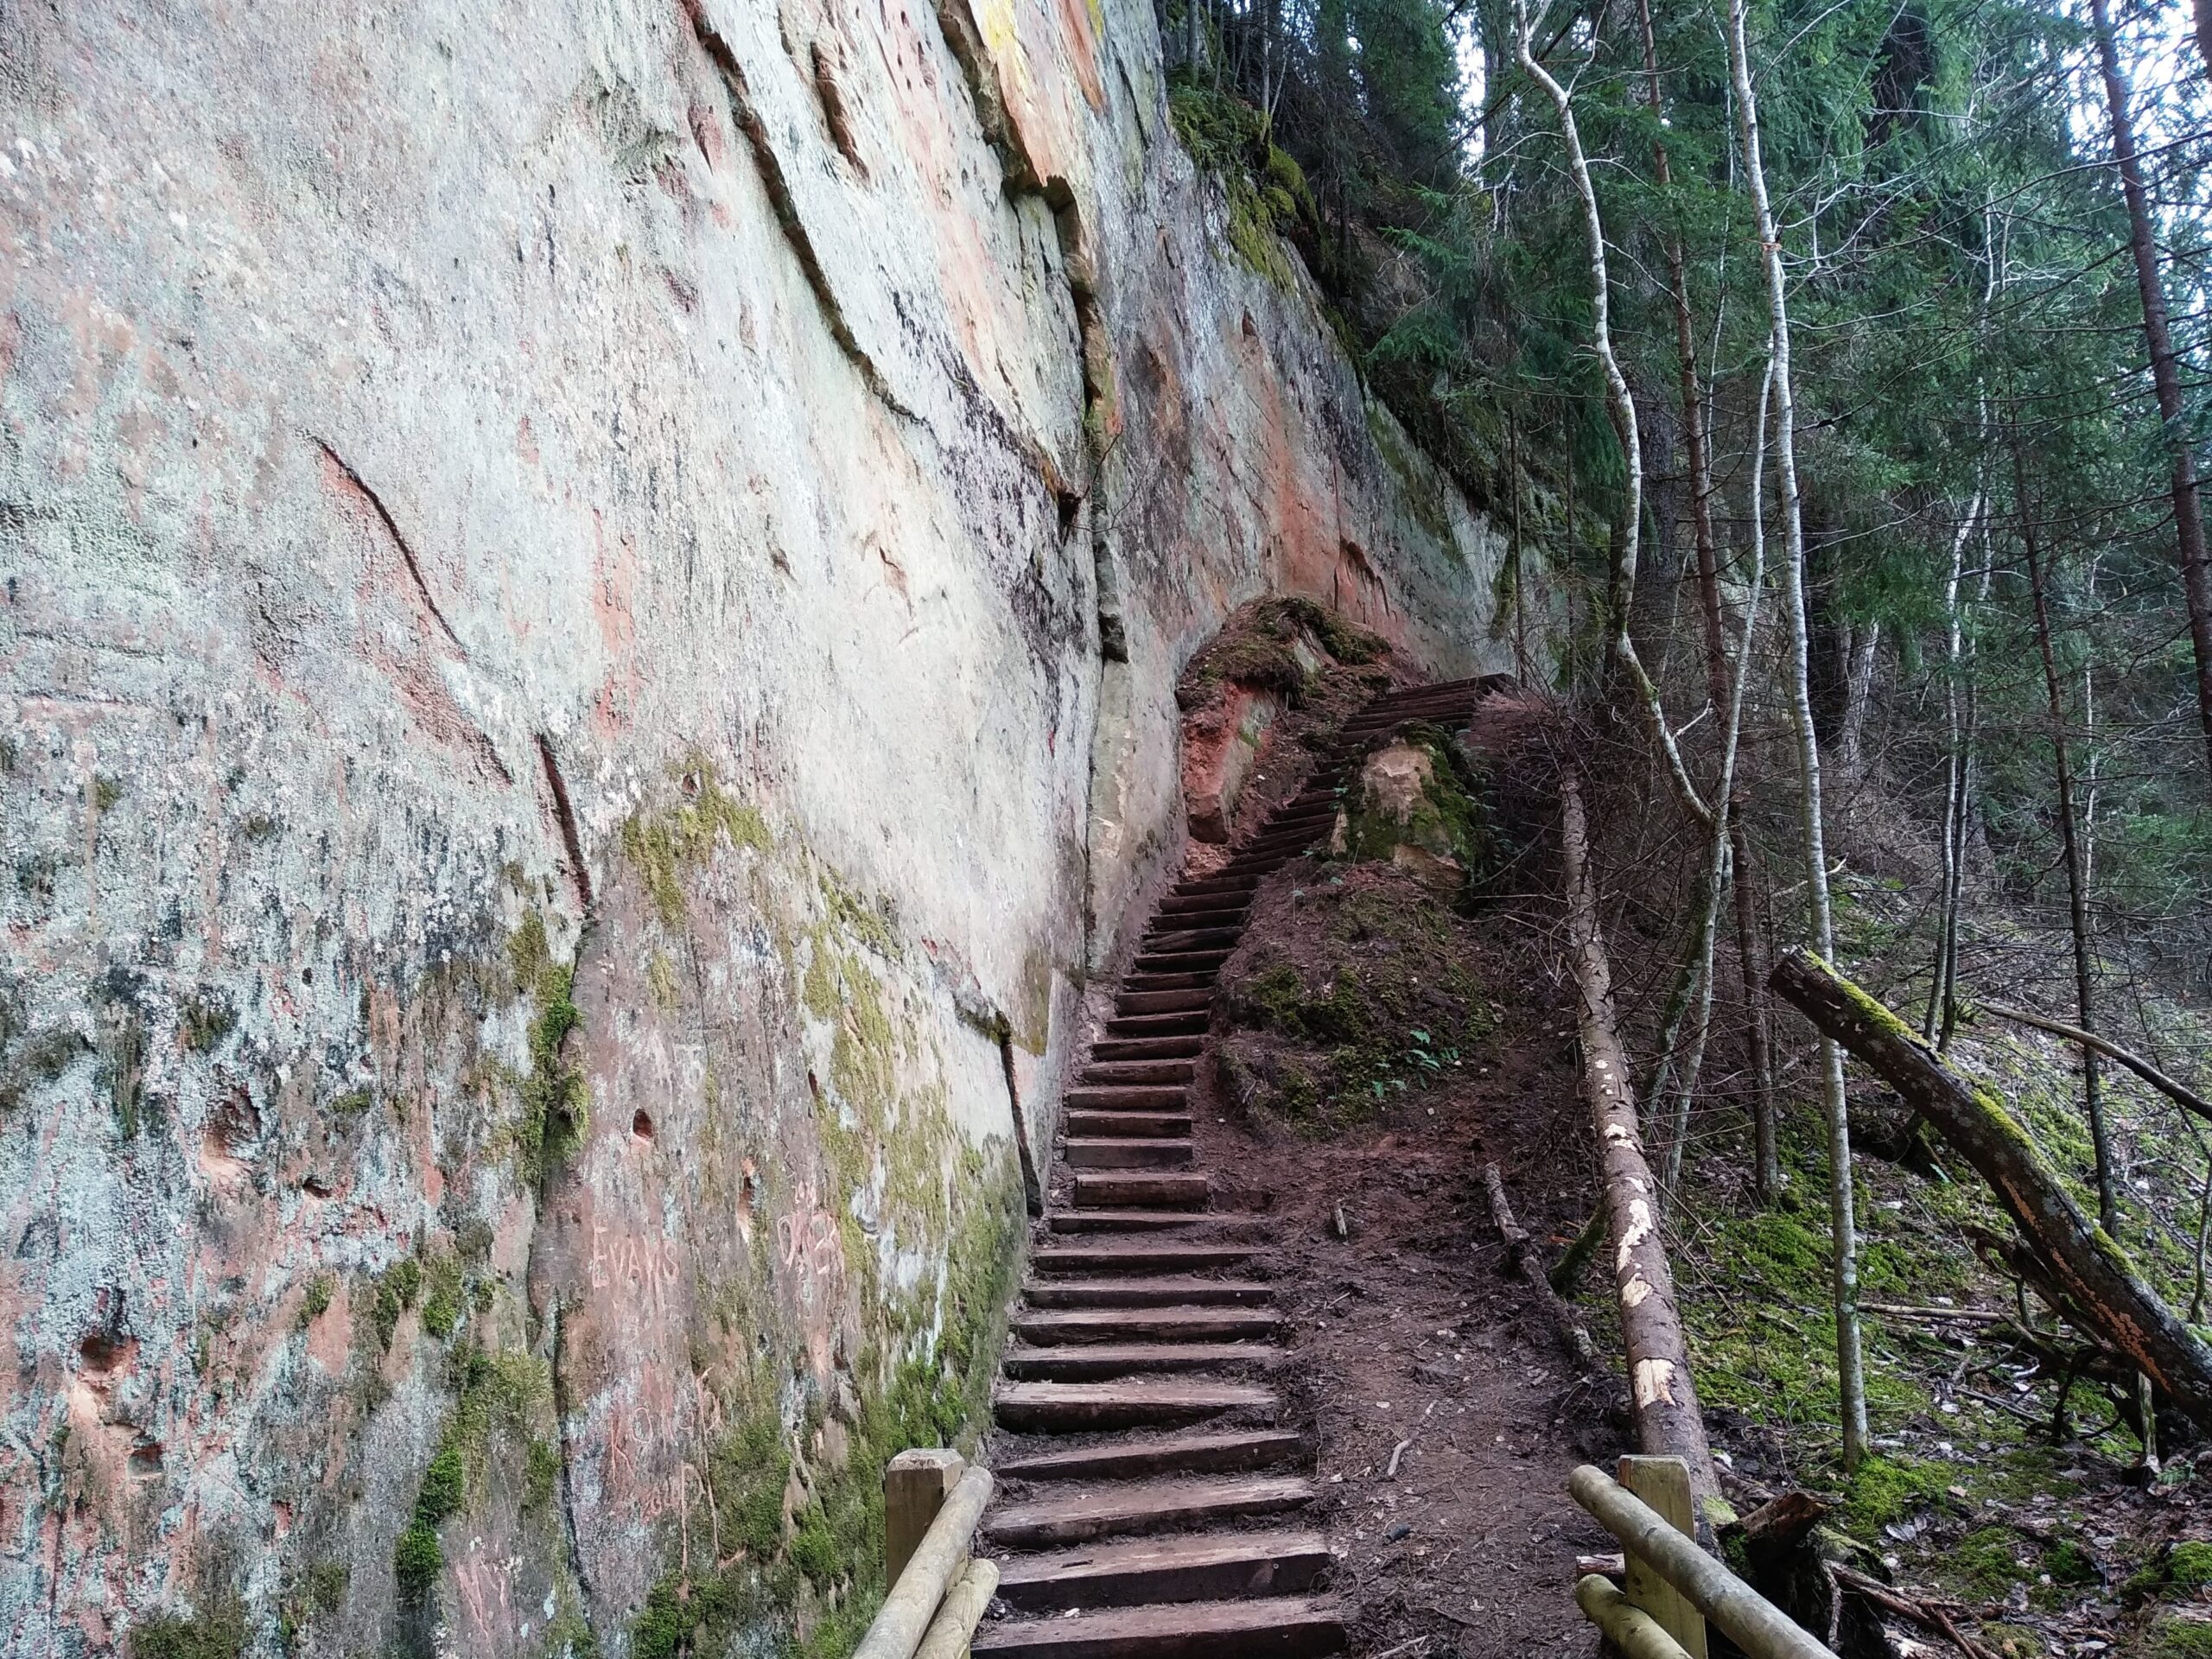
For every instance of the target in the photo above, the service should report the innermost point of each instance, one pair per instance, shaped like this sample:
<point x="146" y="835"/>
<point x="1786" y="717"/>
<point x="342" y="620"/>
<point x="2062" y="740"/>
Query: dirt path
<point x="1199" y="1418"/>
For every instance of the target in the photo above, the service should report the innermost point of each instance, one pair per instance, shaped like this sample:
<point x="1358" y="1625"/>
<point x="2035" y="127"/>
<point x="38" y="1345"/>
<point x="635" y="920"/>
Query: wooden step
<point x="1171" y="1125"/>
<point x="1106" y="1218"/>
<point x="1125" y="1152"/>
<point x="1171" y="942"/>
<point x="1100" y="1074"/>
<point x="1179" y="961"/>
<point x="1214" y="885"/>
<point x="1216" y="918"/>
<point x="1124" y="1507"/>
<point x="1189" y="1023"/>
<point x="1130" y="1002"/>
<point x="1064" y="1325"/>
<point x="1181" y="1256"/>
<point x="1098" y="1190"/>
<point x="1098" y="1362"/>
<point x="1111" y="1051"/>
<point x="1173" y="973"/>
<point x="1155" y="1290"/>
<point x="1210" y="1568"/>
<point x="1212" y="1452"/>
<point x="1135" y="1403"/>
<point x="1127" y="1097"/>
<point x="1272" y="1627"/>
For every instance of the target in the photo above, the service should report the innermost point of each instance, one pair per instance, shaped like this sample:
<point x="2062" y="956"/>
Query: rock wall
<point x="592" y="593"/>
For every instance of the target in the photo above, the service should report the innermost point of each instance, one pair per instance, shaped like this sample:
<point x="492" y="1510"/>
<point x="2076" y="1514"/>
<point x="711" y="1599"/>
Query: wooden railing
<point x="1672" y="1587"/>
<point x="938" y="1592"/>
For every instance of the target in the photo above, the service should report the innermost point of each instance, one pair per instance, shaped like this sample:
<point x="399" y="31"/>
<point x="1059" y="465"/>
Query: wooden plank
<point x="1279" y="1627"/>
<point x="1125" y="1152"/>
<point x="1137" y="1402"/>
<point x="1140" y="1257"/>
<point x="1072" y="1517"/>
<point x="1163" y="1291"/>
<point x="1664" y="1483"/>
<point x="1134" y="1097"/>
<point x="1154" y="1125"/>
<point x="1140" y="1455"/>
<point x="1135" y="1324"/>
<point x="1103" y="1190"/>
<point x="1100" y="1074"/>
<point x="915" y="1485"/>
<point x="1096" y="1361"/>
<point x="1209" y="1567"/>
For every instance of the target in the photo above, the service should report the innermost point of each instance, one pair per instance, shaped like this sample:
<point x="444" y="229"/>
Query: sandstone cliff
<point x="592" y="600"/>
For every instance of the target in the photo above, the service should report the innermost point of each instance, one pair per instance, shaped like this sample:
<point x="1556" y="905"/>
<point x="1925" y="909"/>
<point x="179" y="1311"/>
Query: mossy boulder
<point x="1417" y="807"/>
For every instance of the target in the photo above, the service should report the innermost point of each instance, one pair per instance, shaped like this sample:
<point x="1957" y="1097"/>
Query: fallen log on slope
<point x="1661" y="1391"/>
<point x="2081" y="1259"/>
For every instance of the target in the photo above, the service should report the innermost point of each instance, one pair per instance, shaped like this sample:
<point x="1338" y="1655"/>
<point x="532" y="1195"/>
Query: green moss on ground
<point x="1258" y="648"/>
<point x="1401" y="1010"/>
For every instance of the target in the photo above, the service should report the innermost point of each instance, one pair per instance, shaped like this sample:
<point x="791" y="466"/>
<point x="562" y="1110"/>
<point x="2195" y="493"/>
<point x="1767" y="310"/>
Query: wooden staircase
<point x="1149" y="1492"/>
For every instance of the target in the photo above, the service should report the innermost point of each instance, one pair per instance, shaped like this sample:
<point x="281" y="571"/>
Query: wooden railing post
<point x="1664" y="1485"/>
<point x="915" y="1485"/>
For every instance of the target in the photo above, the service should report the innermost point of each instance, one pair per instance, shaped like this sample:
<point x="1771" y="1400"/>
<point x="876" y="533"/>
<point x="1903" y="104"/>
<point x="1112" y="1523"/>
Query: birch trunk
<point x="1843" y="1224"/>
<point x="1665" y="1398"/>
<point x="1620" y="404"/>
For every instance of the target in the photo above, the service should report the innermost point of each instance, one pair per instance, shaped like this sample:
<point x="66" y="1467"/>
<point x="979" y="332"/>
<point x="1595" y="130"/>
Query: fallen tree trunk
<point x="2083" y="1263"/>
<point x="2180" y="1093"/>
<point x="1665" y="1398"/>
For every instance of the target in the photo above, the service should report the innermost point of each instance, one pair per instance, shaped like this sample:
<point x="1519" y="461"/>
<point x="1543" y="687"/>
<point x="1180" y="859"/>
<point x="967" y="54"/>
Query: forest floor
<point x="1380" y="1042"/>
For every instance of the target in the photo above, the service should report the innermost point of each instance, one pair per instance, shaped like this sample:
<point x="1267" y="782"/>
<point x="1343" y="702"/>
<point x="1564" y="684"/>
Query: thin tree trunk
<point x="2080" y="1260"/>
<point x="1620" y="402"/>
<point x="1858" y="692"/>
<point x="2077" y="895"/>
<point x="2165" y="373"/>
<point x="1665" y="1396"/>
<point x="1851" y="1382"/>
<point x="1954" y="775"/>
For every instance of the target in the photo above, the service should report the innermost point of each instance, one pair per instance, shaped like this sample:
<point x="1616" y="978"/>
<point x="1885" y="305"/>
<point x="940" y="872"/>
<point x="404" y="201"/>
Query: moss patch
<point x="1268" y="195"/>
<point x="667" y="847"/>
<point x="1258" y="647"/>
<point x="218" y="1632"/>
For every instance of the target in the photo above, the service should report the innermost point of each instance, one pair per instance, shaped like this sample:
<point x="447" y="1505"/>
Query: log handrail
<point x="1751" y="1622"/>
<point x="940" y="1595"/>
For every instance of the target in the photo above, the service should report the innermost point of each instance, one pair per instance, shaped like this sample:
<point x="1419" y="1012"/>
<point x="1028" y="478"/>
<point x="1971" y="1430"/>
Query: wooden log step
<point x="1210" y="1451"/>
<point x="1111" y="1051"/>
<point x="1100" y="1362"/>
<point x="1128" y="1097"/>
<point x="1147" y="1323"/>
<point x="1154" y="977"/>
<point x="1164" y="1125"/>
<point x="1272" y="1627"/>
<point x="1189" y="1022"/>
<point x="1101" y="1073"/>
<point x="1106" y="1218"/>
<point x="1162" y="1001"/>
<point x="1125" y="1152"/>
<point x="1181" y="1256"/>
<point x="1138" y="1402"/>
<point x="1161" y="1291"/>
<point x="1205" y="962"/>
<point x="1212" y="916"/>
<point x="1216" y="886"/>
<point x="1209" y="1568"/>
<point x="1102" y="1190"/>
<point x="1170" y="942"/>
<point x="1102" y="1511"/>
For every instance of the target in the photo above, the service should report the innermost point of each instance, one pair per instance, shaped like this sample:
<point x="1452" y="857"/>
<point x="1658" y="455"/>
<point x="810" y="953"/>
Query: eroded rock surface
<point x="591" y="603"/>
